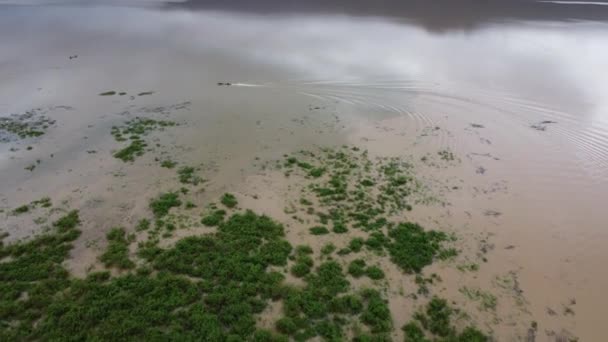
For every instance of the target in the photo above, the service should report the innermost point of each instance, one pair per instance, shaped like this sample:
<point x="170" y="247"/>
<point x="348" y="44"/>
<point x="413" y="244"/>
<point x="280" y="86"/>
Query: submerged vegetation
<point x="436" y="321"/>
<point x="30" y="124"/>
<point x="134" y="131"/>
<point x="160" y="206"/>
<point x="215" y="285"/>
<point x="187" y="175"/>
<point x="229" y="200"/>
<point x="117" y="253"/>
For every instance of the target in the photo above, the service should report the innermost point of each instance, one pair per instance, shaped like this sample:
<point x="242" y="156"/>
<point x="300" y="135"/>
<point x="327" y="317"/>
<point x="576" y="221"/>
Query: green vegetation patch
<point x="135" y="149"/>
<point x="204" y="288"/>
<point x="229" y="200"/>
<point x="436" y="320"/>
<point x="214" y="219"/>
<point x="31" y="273"/>
<point x="30" y="124"/>
<point x="168" y="164"/>
<point x="413" y="248"/>
<point x="117" y="253"/>
<point x="487" y="301"/>
<point x="160" y="206"/>
<point x="187" y="175"/>
<point x="134" y="131"/>
<point x="319" y="230"/>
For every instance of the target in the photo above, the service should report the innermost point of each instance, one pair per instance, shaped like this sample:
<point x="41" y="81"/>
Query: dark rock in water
<point x="108" y="93"/>
<point x="145" y="93"/>
<point x="122" y="93"/>
<point x="474" y="125"/>
<point x="224" y="84"/>
<point x="542" y="126"/>
<point x="493" y="213"/>
<point x="480" y="170"/>
<point x="73" y="57"/>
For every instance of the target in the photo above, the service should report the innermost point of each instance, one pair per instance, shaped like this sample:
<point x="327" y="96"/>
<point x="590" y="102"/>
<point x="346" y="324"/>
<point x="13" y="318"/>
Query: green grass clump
<point x="286" y="325"/>
<point x="143" y="224"/>
<point x="31" y="273"/>
<point x="487" y="301"/>
<point x="412" y="248"/>
<point x="347" y="304"/>
<point x="21" y="210"/>
<point x="44" y="202"/>
<point x="68" y="222"/>
<point x="339" y="228"/>
<point x="300" y="269"/>
<point x="413" y="333"/>
<point x="377" y="315"/>
<point x="30" y="124"/>
<point x="356" y="268"/>
<point x="133" y="150"/>
<point x="161" y="205"/>
<point x="214" y="219"/>
<point x="319" y="230"/>
<point x="187" y="175"/>
<point x="356" y="244"/>
<point x="134" y="130"/>
<point x="374" y="272"/>
<point x="436" y="319"/>
<point x="376" y="242"/>
<point x="303" y="250"/>
<point x="169" y="164"/>
<point x="229" y="200"/>
<point x="312" y="308"/>
<point x="316" y="172"/>
<point x="117" y="253"/>
<point x="328" y="249"/>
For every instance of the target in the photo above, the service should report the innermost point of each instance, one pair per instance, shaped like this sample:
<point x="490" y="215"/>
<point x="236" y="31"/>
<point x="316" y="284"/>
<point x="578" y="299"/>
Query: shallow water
<point x="515" y="89"/>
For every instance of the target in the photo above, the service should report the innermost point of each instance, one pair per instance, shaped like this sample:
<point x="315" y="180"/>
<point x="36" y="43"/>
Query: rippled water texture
<point x="518" y="89"/>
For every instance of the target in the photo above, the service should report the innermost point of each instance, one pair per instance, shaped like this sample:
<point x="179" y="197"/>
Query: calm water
<point x="533" y="74"/>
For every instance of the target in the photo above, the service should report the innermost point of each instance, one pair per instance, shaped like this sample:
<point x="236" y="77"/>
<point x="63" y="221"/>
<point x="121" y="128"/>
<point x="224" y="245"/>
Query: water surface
<point x="521" y="82"/>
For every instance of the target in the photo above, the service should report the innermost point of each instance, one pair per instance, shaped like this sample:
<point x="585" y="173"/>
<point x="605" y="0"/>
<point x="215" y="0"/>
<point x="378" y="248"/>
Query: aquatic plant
<point x="229" y="200"/>
<point x="160" y="206"/>
<point x="319" y="230"/>
<point x="117" y="252"/>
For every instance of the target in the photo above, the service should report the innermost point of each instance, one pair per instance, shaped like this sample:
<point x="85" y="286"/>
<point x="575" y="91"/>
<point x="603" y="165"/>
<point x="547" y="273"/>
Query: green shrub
<point x="21" y="210"/>
<point x="328" y="249"/>
<point x="319" y="230"/>
<point x="377" y="314"/>
<point x="286" y="325"/>
<point x="214" y="219"/>
<point x="133" y="150"/>
<point x="374" y="272"/>
<point x="339" y="228"/>
<point x="300" y="269"/>
<point x="412" y="248"/>
<point x="413" y="333"/>
<point x="356" y="268"/>
<point x="161" y="205"/>
<point x="169" y="164"/>
<point x="117" y="253"/>
<point x="356" y="244"/>
<point x="229" y="200"/>
<point x="187" y="175"/>
<point x="303" y="250"/>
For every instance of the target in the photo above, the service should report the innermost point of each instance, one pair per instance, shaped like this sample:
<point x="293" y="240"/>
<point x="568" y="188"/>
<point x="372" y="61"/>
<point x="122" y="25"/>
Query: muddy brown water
<point x="516" y="90"/>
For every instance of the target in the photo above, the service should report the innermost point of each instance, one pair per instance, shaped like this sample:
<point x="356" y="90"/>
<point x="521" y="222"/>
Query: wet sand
<point x="520" y="104"/>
